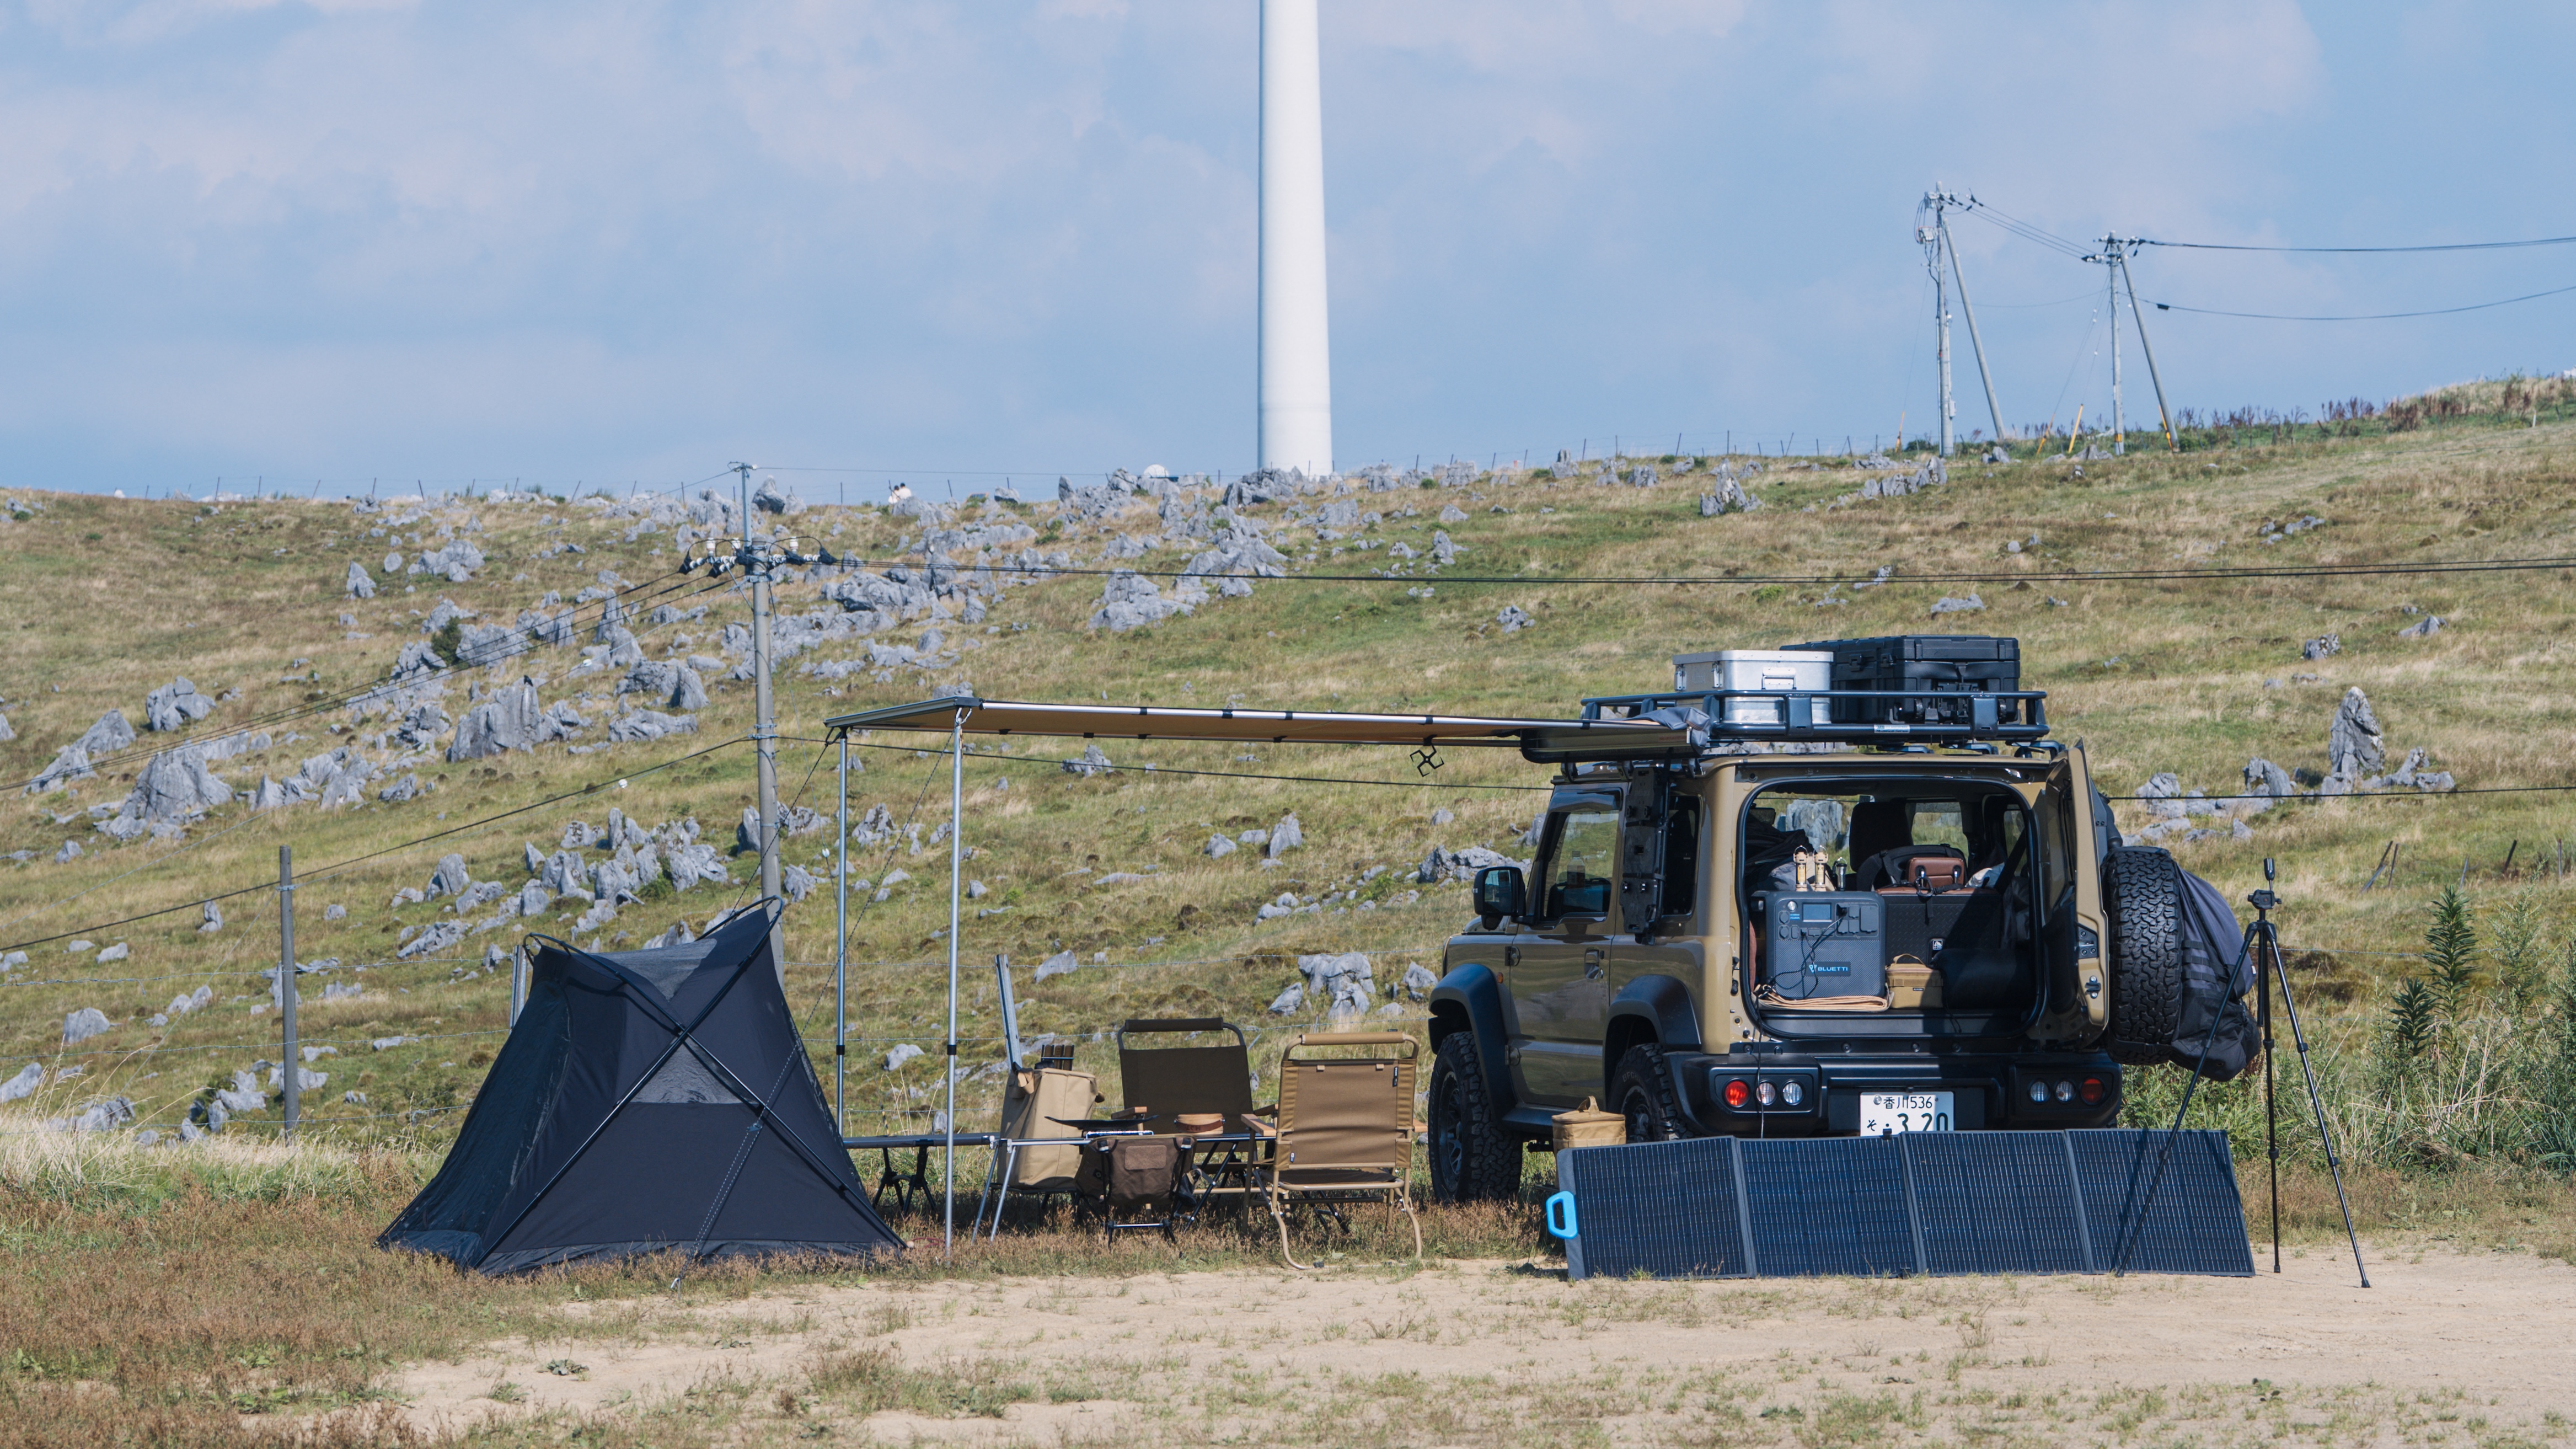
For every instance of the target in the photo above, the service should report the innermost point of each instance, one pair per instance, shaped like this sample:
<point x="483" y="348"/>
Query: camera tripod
<point x="2262" y="947"/>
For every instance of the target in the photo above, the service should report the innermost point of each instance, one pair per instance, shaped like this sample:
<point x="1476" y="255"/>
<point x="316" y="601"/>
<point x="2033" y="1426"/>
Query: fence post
<point x="286" y="993"/>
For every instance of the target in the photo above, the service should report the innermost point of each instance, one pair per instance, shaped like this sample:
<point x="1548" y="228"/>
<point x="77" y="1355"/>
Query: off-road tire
<point x="1641" y="1091"/>
<point x="1471" y="1159"/>
<point x="2142" y="893"/>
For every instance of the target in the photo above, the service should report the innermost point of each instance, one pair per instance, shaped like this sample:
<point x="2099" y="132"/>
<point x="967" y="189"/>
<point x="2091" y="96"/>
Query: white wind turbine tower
<point x="1296" y="359"/>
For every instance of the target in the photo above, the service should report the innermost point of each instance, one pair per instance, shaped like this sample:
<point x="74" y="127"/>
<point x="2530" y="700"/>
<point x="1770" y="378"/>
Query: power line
<point x="524" y="643"/>
<point x="2324" y="570"/>
<point x="2367" y="316"/>
<point x="2546" y="241"/>
<point x="339" y="866"/>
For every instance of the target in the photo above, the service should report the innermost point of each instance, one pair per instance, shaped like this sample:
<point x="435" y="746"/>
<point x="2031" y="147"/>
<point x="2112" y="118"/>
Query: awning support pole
<point x="956" y="898"/>
<point x="841" y="956"/>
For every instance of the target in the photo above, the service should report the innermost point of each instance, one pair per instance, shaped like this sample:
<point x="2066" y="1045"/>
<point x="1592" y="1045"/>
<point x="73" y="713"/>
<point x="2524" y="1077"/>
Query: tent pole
<point x="956" y="894"/>
<point x="841" y="956"/>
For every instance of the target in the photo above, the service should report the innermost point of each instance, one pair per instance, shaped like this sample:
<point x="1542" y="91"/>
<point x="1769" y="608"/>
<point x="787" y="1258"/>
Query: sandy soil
<point x="2441" y="1337"/>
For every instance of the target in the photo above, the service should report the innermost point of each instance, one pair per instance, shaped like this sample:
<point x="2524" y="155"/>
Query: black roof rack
<point x="1883" y="717"/>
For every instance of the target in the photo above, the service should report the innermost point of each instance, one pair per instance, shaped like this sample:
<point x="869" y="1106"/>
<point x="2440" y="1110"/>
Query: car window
<point x="1681" y="858"/>
<point x="1581" y="874"/>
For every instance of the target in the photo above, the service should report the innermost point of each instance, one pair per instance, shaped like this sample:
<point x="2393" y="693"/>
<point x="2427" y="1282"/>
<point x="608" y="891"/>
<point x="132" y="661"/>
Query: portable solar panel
<point x="2162" y="1202"/>
<point x="1942" y="1203"/>
<point x="1665" y="1209"/>
<point x="1997" y="1202"/>
<point x="1828" y="1205"/>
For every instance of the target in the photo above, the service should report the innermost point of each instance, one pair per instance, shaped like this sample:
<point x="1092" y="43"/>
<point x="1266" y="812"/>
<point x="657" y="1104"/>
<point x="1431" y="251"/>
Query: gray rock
<point x="1092" y="762"/>
<point x="798" y="882"/>
<point x="70" y="852"/>
<point x="1729" y="496"/>
<point x="6" y="734"/>
<point x="506" y="720"/>
<point x="533" y="899"/>
<point x="2264" y="778"/>
<point x="1217" y="848"/>
<point x="29" y="1078"/>
<point x="645" y="724"/>
<point x="450" y="879"/>
<point x="688" y="691"/>
<point x="2424" y="628"/>
<point x="690" y="864"/>
<point x="2163" y="794"/>
<point x="70" y="764"/>
<point x="1418" y="981"/>
<point x="770" y="498"/>
<point x="99" y="1116"/>
<point x="175" y="706"/>
<point x="2353" y="740"/>
<point x="1968" y="605"/>
<point x="1255" y="836"/>
<point x="2322" y="648"/>
<point x="335" y="912"/>
<point x="1342" y="980"/>
<point x="393" y="563"/>
<point x="1287" y="1002"/>
<point x="1285" y="836"/>
<point x="106" y="737"/>
<point x="405" y="789"/>
<point x="1451" y="513"/>
<point x="119" y="951"/>
<point x="1058" y="964"/>
<point x="1435" y="867"/>
<point x="1514" y="619"/>
<point x="903" y="1053"/>
<point x="1442" y="549"/>
<point x="1129" y="600"/>
<point x="83" y="1024"/>
<point x="436" y="939"/>
<point x="360" y="585"/>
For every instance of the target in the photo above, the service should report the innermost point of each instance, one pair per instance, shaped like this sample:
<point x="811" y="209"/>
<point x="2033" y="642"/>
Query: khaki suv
<point x="1836" y="911"/>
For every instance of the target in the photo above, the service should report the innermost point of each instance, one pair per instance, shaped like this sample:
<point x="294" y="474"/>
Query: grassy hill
<point x="181" y="1294"/>
<point x="111" y="598"/>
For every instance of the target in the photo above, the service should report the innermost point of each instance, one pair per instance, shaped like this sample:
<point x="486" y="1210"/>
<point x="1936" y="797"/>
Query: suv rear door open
<point x="1557" y="965"/>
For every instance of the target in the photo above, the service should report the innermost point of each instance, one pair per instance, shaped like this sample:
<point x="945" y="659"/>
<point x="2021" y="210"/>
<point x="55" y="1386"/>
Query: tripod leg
<point x="2316" y="1104"/>
<point x="2263" y="970"/>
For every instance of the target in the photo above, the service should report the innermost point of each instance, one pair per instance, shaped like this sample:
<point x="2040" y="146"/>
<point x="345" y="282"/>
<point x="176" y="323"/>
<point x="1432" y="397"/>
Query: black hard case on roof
<point x="1965" y="663"/>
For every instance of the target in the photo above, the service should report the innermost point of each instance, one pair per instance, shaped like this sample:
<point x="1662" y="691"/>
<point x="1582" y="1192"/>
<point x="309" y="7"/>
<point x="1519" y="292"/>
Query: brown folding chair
<point x="1211" y="1084"/>
<point x="1345" y="1127"/>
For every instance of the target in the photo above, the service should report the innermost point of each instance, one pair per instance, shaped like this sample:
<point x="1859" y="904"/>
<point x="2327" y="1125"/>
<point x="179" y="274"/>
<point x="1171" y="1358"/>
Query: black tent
<point x="647" y="1100"/>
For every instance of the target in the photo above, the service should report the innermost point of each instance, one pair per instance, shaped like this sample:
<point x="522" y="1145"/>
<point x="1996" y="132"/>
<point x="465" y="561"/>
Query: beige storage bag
<point x="1589" y="1126"/>
<point x="1032" y="1101"/>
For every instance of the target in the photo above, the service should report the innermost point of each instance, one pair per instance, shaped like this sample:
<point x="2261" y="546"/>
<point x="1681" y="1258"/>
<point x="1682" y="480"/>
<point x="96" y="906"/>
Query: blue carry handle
<point x="1560" y="1215"/>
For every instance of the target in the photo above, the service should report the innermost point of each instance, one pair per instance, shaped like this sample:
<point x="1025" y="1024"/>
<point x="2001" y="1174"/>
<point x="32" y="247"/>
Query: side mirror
<point x="1500" y="891"/>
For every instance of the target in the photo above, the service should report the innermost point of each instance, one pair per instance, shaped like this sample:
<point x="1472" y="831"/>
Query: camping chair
<point x="1201" y="1092"/>
<point x="1035" y="1153"/>
<point x="1345" y="1127"/>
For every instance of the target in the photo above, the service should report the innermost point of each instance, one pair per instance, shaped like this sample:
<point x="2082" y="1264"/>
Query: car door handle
<point x="1592" y="964"/>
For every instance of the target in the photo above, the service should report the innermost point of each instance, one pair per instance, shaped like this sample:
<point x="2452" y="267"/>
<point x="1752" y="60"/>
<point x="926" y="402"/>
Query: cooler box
<point x="1947" y="663"/>
<point x="1787" y="671"/>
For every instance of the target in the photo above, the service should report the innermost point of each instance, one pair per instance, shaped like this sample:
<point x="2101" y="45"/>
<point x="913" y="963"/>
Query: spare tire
<point x="2142" y="893"/>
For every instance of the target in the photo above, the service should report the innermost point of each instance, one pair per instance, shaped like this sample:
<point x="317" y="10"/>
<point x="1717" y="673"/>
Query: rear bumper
<point x="1989" y="1092"/>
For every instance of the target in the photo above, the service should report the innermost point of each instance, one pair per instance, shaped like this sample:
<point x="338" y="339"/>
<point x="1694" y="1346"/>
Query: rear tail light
<point x="1766" y="1094"/>
<point x="2092" y="1091"/>
<point x="2066" y="1091"/>
<point x="1738" y="1094"/>
<point x="1793" y="1093"/>
<point x="2039" y="1092"/>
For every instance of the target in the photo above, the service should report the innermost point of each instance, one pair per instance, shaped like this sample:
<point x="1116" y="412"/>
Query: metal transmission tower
<point x="1937" y="245"/>
<point x="2114" y="258"/>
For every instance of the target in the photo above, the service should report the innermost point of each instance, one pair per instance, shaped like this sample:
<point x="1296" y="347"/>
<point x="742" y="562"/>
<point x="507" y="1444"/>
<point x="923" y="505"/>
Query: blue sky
<point x="607" y="242"/>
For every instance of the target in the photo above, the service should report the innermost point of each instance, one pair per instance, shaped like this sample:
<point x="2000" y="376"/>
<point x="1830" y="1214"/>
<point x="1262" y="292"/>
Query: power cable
<point x="2460" y="566"/>
<point x="2367" y="316"/>
<point x="525" y="643"/>
<point x="2546" y="241"/>
<point x="339" y="866"/>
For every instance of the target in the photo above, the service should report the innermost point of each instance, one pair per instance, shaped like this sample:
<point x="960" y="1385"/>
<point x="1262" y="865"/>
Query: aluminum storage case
<point x="1800" y="671"/>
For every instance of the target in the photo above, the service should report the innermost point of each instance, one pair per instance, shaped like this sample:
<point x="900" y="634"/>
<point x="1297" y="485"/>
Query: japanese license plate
<point x="1883" y="1114"/>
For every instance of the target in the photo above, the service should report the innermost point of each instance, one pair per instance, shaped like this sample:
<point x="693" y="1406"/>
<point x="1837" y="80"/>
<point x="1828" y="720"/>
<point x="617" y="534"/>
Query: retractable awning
<point x="1544" y="740"/>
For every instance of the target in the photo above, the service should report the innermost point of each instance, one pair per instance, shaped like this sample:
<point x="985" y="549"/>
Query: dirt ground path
<point x="2445" y="1347"/>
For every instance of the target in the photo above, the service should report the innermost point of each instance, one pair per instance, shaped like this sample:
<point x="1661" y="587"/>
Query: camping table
<point x="903" y="1184"/>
